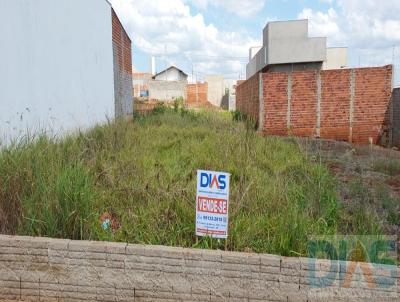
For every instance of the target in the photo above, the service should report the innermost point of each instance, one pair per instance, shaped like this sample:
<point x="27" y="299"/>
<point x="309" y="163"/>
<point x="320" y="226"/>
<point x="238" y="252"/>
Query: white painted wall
<point x="56" y="65"/>
<point x="336" y="58"/>
<point x="253" y="51"/>
<point x="216" y="89"/>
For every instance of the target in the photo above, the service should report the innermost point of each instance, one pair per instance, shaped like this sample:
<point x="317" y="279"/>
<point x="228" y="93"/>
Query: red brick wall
<point x="197" y="94"/>
<point x="366" y="90"/>
<point x="122" y="45"/>
<point x="275" y="103"/>
<point x="247" y="97"/>
<point x="335" y="104"/>
<point x="122" y="68"/>
<point x="303" y="117"/>
<point x="371" y="105"/>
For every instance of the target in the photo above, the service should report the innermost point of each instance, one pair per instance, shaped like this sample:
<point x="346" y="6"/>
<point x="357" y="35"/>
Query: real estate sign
<point x="212" y="204"/>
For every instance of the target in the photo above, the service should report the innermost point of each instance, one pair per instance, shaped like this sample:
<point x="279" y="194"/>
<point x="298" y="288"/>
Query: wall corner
<point x="261" y="109"/>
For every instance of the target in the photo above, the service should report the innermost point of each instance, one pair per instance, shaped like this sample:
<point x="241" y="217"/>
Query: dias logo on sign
<point x="210" y="180"/>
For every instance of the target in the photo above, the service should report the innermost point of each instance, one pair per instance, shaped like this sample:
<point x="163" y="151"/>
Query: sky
<point x="213" y="36"/>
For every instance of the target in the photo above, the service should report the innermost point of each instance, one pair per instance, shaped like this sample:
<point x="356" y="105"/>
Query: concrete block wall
<point x="347" y="104"/>
<point x="122" y="52"/>
<point x="167" y="90"/>
<point x="216" y="89"/>
<point x="197" y="94"/>
<point x="41" y="269"/>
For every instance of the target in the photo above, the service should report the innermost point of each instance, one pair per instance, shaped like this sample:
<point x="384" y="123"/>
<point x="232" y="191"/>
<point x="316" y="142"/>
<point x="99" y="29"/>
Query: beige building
<point x="140" y="81"/>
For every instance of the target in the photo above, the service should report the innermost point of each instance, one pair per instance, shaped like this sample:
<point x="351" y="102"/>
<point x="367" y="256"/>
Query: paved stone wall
<point x="39" y="269"/>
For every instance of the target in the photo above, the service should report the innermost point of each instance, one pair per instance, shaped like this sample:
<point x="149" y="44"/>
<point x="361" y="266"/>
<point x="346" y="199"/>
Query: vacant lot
<point x="142" y="176"/>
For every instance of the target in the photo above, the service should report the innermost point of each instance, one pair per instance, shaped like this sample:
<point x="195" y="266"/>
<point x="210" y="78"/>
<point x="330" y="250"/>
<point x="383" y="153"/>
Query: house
<point x="288" y="47"/>
<point x="65" y="64"/>
<point x="171" y="74"/>
<point x="296" y="86"/>
<point x="168" y="85"/>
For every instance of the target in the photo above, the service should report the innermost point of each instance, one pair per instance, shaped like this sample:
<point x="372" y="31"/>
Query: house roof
<point x="171" y="67"/>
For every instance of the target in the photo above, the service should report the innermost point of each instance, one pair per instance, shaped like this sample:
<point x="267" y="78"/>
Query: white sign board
<point x="212" y="204"/>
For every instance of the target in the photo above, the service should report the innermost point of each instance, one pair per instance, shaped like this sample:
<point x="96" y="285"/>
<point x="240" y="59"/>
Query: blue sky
<point x="213" y="36"/>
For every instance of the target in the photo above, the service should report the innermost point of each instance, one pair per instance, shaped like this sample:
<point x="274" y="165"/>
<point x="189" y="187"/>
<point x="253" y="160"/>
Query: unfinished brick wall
<point x="197" y="94"/>
<point x="247" y="97"/>
<point x="335" y="101"/>
<point x="43" y="269"/>
<point x="373" y="90"/>
<point x="347" y="104"/>
<point x="275" y="95"/>
<point x="303" y="103"/>
<point x="122" y="68"/>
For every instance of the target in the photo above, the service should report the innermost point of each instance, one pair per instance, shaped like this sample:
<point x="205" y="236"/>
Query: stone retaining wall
<point x="39" y="269"/>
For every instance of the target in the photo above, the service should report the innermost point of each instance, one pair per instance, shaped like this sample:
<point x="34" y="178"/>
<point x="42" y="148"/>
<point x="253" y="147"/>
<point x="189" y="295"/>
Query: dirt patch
<point x="394" y="184"/>
<point x="367" y="178"/>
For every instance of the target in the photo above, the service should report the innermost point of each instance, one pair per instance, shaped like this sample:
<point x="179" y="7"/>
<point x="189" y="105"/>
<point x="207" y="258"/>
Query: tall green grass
<point x="144" y="174"/>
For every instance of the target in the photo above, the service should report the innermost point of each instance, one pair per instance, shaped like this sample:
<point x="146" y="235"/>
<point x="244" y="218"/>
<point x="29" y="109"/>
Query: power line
<point x="188" y="54"/>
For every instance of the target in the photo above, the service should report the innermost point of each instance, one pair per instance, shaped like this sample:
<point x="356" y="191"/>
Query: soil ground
<point x="368" y="181"/>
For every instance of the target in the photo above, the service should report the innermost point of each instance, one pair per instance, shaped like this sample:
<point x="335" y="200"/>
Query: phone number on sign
<point x="212" y="218"/>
